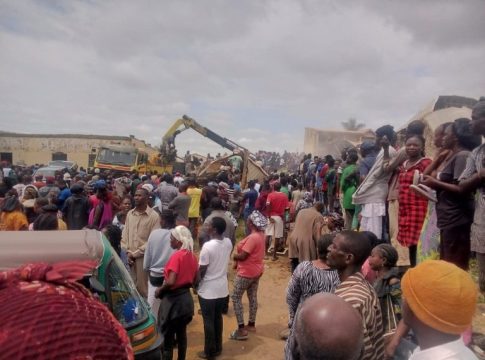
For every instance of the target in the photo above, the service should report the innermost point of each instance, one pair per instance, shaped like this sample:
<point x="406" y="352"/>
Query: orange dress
<point x="12" y="221"/>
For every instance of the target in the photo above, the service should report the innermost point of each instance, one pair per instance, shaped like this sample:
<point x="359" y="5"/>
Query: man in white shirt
<point x="213" y="287"/>
<point x="439" y="303"/>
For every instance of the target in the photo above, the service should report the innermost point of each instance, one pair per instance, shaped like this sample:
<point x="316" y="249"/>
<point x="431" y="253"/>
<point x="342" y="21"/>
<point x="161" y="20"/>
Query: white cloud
<point x="256" y="72"/>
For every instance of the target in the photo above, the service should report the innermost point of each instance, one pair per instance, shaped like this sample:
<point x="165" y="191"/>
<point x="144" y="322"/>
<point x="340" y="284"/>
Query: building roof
<point x="69" y="136"/>
<point x="443" y="109"/>
<point x="342" y="132"/>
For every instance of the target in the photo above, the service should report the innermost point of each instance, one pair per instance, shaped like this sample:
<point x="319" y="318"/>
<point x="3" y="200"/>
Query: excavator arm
<point x="186" y="122"/>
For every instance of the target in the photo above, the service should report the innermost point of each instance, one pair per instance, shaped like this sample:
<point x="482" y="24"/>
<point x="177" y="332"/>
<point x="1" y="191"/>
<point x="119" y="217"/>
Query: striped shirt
<point x="362" y="296"/>
<point x="476" y="162"/>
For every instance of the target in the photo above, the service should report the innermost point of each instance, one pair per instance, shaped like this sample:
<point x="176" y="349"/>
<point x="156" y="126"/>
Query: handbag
<point x="391" y="321"/>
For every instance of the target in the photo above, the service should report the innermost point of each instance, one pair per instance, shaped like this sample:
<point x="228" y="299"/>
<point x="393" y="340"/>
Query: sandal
<point x="250" y="328"/>
<point x="238" y="335"/>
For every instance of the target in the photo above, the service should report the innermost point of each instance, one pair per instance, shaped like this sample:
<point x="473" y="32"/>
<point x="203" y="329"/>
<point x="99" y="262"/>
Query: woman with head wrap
<point x="30" y="194"/>
<point x="177" y="306"/>
<point x="335" y="222"/>
<point x="305" y="203"/>
<point x="62" y="306"/>
<point x="248" y="257"/>
<point x="12" y="217"/>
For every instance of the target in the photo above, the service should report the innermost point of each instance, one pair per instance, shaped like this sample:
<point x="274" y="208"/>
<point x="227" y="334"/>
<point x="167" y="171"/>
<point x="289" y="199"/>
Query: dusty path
<point x="271" y="319"/>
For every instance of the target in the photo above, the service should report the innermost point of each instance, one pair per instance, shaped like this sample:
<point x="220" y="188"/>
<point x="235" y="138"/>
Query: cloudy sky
<point x="257" y="72"/>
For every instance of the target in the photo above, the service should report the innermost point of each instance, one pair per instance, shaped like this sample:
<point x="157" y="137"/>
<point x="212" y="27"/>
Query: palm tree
<point x="352" y="125"/>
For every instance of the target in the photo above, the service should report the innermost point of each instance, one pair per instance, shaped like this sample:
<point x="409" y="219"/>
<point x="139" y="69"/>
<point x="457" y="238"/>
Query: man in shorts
<point x="276" y="204"/>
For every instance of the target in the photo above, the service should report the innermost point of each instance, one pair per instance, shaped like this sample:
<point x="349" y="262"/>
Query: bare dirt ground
<point x="271" y="319"/>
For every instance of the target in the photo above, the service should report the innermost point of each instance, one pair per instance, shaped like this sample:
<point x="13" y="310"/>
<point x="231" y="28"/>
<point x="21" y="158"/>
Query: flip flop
<point x="236" y="335"/>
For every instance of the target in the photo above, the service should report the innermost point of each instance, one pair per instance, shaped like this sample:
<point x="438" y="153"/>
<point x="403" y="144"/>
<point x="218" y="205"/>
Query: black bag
<point x="156" y="280"/>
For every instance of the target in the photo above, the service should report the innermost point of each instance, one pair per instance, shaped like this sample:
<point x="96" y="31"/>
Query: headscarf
<point x="259" y="220"/>
<point x="224" y="185"/>
<point x="30" y="192"/>
<point x="307" y="196"/>
<point x="337" y="221"/>
<point x="441" y="295"/>
<point x="62" y="306"/>
<point x="182" y="234"/>
<point x="147" y="187"/>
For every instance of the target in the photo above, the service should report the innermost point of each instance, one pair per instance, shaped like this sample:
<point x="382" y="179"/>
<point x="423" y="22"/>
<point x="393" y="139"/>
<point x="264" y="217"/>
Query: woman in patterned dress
<point x="311" y="277"/>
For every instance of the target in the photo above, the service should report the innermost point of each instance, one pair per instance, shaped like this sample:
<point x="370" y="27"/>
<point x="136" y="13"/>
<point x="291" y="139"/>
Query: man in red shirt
<point x="276" y="205"/>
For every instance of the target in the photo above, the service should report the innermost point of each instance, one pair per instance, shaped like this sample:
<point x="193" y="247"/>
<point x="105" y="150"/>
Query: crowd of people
<point x="376" y="240"/>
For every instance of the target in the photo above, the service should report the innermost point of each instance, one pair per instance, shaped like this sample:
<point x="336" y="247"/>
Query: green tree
<point x="352" y="125"/>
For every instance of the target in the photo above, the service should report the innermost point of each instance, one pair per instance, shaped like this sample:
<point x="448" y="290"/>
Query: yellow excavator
<point x="168" y="149"/>
<point x="169" y="153"/>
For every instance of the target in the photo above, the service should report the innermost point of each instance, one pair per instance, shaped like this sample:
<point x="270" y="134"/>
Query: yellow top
<point x="195" y="194"/>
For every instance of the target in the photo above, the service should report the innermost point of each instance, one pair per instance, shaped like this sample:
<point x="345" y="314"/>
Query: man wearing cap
<point x="67" y="177"/>
<point x="439" y="303"/>
<point x="140" y="222"/>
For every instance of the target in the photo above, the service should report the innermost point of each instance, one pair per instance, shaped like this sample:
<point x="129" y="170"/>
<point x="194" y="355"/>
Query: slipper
<point x="236" y="335"/>
<point x="284" y="334"/>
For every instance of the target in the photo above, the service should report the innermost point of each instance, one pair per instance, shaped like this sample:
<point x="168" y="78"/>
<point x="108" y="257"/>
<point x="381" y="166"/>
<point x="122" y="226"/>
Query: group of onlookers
<point x="409" y="210"/>
<point x="359" y="223"/>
